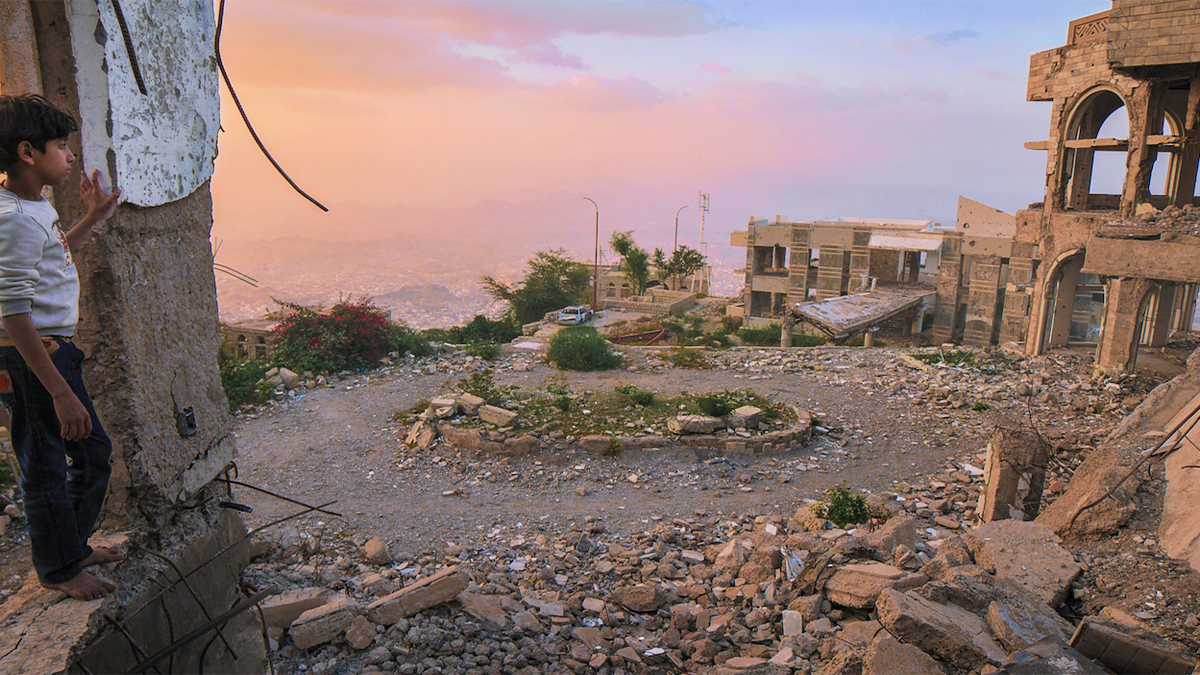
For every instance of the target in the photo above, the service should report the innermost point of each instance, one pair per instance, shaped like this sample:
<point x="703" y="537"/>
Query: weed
<point x="689" y="358"/>
<point x="843" y="508"/>
<point x="810" y="340"/>
<point x="483" y="385"/>
<point x="563" y="403"/>
<point x="767" y="336"/>
<point x="638" y="396"/>
<point x="981" y="406"/>
<point x="581" y="348"/>
<point x="242" y="379"/>
<point x="484" y="349"/>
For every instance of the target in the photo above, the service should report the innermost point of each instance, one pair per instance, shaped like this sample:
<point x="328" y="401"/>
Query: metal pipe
<point x="596" y="261"/>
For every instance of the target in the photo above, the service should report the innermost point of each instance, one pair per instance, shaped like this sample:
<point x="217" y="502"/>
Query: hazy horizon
<point x="458" y="138"/>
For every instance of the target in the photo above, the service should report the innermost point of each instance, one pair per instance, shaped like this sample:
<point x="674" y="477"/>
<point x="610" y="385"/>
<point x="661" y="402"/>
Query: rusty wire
<point x="242" y="111"/>
<point x="128" y="39"/>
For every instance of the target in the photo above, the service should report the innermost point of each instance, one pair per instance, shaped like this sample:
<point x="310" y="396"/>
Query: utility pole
<point x="703" y="245"/>
<point x="596" y="261"/>
<point x="676" y="246"/>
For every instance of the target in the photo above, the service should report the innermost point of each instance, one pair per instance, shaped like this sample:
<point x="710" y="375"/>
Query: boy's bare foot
<point x="83" y="586"/>
<point x="101" y="555"/>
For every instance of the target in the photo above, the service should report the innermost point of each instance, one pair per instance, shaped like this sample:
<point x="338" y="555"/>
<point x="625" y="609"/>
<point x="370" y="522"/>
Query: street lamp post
<point x="596" y="261"/>
<point x="676" y="246"/>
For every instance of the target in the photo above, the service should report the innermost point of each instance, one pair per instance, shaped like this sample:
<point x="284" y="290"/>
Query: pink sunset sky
<point x="427" y="110"/>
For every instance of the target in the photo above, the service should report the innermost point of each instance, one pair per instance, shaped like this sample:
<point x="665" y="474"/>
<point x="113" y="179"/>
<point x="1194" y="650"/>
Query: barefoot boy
<point x="61" y="447"/>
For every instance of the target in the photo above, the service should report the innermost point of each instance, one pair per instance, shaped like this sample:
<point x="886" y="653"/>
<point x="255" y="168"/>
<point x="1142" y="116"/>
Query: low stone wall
<point x="660" y="302"/>
<point x="505" y="443"/>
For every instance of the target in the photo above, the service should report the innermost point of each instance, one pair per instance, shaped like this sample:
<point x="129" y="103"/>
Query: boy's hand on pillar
<point x="73" y="417"/>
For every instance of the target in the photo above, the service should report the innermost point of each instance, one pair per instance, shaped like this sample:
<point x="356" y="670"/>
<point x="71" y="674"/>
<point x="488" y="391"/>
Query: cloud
<point x="715" y="68"/>
<point x="989" y="74"/>
<point x="589" y="92"/>
<point x="527" y="30"/>
<point x="938" y="39"/>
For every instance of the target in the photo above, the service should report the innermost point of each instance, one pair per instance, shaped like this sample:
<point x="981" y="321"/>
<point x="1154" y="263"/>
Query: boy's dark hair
<point x="29" y="117"/>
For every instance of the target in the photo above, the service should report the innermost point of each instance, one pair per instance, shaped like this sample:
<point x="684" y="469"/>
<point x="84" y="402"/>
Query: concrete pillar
<point x="1145" y="109"/>
<point x="1064" y="303"/>
<point x="1184" y="188"/>
<point x="829" y="273"/>
<point x="1014" y="475"/>
<point x="1160" y="330"/>
<point x="747" y="294"/>
<point x="799" y="254"/>
<point x="949" y="287"/>
<point x="868" y="339"/>
<point x="983" y="301"/>
<point x="860" y="261"/>
<point x="918" y="325"/>
<point x="1117" y="351"/>
<point x="20" y="64"/>
<point x="913" y="261"/>
<point x="1014" y="319"/>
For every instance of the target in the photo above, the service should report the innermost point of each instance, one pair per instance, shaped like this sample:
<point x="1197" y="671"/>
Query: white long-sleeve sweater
<point x="37" y="275"/>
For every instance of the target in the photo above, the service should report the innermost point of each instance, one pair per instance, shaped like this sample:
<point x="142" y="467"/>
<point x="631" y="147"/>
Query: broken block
<point x="1125" y="649"/>
<point x="888" y="656"/>
<point x="486" y="610"/>
<point x="281" y="610"/>
<point x="746" y="416"/>
<point x="858" y="585"/>
<point x="1014" y="475"/>
<point x="432" y="590"/>
<point x="323" y="624"/>
<point x="947" y="631"/>
<point x="498" y="416"/>
<point x="469" y="403"/>
<point x="1017" y="628"/>
<point x="692" y="424"/>
<point x="1027" y="553"/>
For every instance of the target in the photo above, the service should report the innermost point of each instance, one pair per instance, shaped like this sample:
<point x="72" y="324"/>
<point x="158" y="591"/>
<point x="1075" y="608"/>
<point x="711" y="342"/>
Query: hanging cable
<point x="245" y="118"/>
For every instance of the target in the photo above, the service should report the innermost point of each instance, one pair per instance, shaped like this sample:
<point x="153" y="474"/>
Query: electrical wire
<point x="246" y="118"/>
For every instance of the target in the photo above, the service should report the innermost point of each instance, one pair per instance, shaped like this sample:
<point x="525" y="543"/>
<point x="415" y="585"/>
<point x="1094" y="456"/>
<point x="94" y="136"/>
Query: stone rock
<point x="361" y="633"/>
<point x="897" y="531"/>
<point x="13" y="511"/>
<point x="734" y="555"/>
<point x="745" y="417"/>
<point x="1101" y="473"/>
<point x="488" y="611"/>
<point x="1017" y="628"/>
<point x="793" y="623"/>
<point x="975" y="589"/>
<point x="435" y="589"/>
<point x="888" y="656"/>
<point x="422" y="435"/>
<point x="821" y="628"/>
<point x="290" y="380"/>
<point x="692" y="424"/>
<point x="1029" y="554"/>
<point x="498" y="416"/>
<point x="845" y="662"/>
<point x="809" y="606"/>
<point x="376" y="551"/>
<point x="1051" y="656"/>
<point x="858" y="585"/>
<point x="1129" y="649"/>
<point x="281" y="610"/>
<point x="640" y="598"/>
<point x="322" y="624"/>
<point x="950" y="632"/>
<point x="859" y="633"/>
<point x="470" y="403"/>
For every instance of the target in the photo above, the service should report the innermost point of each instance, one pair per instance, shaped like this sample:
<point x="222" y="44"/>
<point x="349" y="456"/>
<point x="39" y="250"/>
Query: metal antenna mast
<point x="706" y="270"/>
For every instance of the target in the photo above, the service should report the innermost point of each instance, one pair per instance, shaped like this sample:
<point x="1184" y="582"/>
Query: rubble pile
<point x="1184" y="220"/>
<point x="707" y="593"/>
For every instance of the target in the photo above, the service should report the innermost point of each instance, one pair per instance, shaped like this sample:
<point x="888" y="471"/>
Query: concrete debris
<point x="888" y="656"/>
<point x="433" y="590"/>
<point x="858" y="585"/>
<point x="497" y="416"/>
<point x="283" y="609"/>
<point x="322" y="624"/>
<point x="947" y="631"/>
<point x="693" y="424"/>
<point x="1126" y="649"/>
<point x="1027" y="553"/>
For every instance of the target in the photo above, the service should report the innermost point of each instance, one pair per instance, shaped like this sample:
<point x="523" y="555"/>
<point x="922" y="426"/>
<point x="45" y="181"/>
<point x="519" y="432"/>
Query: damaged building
<point x="1109" y="272"/>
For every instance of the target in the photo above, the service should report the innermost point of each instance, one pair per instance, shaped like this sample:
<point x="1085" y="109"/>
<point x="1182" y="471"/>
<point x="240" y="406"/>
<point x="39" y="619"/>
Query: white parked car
<point x="574" y="316"/>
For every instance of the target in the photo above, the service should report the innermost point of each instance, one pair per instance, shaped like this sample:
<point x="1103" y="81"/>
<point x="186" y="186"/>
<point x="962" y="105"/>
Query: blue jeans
<point x="64" y="481"/>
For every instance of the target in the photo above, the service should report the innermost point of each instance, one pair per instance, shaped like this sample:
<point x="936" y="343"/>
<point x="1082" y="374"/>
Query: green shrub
<point x="715" y="405"/>
<point x="563" y="403"/>
<point x="981" y="406"/>
<point x="767" y="336"/>
<point x="242" y="379"/>
<point x="810" y="340"/>
<point x="479" y="329"/>
<point x="581" y="348"/>
<point x="352" y="335"/>
<point x="486" y="349"/>
<point x="954" y="357"/>
<point x="861" y="341"/>
<point x="638" y="396"/>
<point x="483" y="384"/>
<point x="843" y="508"/>
<point x="689" y="358"/>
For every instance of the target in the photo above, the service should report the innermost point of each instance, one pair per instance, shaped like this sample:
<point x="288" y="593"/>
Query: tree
<point x="554" y="281"/>
<point x="683" y="261"/>
<point x="635" y="262"/>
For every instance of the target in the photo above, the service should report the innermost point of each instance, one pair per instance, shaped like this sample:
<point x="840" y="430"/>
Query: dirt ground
<point x="339" y="444"/>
